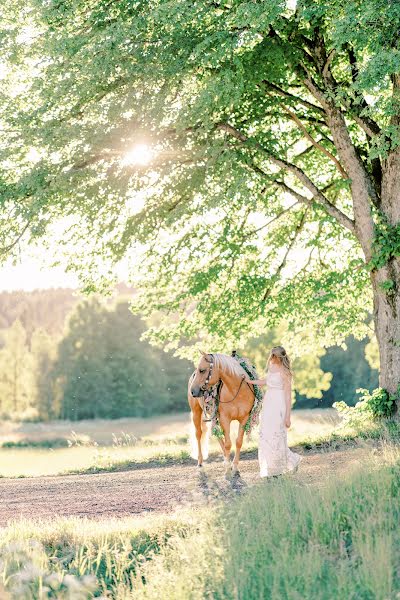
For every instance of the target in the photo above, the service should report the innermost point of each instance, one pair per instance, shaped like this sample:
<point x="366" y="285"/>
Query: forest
<point x="64" y="356"/>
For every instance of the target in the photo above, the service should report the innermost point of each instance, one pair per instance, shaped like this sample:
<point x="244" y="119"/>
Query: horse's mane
<point x="228" y="364"/>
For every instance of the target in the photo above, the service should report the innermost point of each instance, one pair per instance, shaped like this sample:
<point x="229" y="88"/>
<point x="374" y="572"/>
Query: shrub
<point x="374" y="405"/>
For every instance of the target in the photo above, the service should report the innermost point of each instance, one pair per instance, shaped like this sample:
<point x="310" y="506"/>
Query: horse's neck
<point x="229" y="380"/>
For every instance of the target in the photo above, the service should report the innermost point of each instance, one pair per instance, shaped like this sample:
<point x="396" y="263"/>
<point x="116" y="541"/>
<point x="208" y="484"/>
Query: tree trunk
<point x="387" y="303"/>
<point x="387" y="324"/>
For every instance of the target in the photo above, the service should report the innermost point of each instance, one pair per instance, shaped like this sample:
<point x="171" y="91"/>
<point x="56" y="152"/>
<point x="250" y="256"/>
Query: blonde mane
<point x="228" y="364"/>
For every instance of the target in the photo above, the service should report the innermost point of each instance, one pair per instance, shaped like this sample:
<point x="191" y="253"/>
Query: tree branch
<point x="297" y="99"/>
<point x="275" y="218"/>
<point x="15" y="242"/>
<point x="330" y="208"/>
<point x="299" y="197"/>
<point x="315" y="143"/>
<point x="328" y="63"/>
<point x="282" y="264"/>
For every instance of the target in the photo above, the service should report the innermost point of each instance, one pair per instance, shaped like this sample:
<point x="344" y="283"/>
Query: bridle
<point x="209" y="374"/>
<point x="204" y="387"/>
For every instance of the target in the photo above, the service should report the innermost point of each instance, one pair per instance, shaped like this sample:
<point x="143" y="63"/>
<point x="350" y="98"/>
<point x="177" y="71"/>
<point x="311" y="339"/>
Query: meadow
<point x="36" y="449"/>
<point x="279" y="539"/>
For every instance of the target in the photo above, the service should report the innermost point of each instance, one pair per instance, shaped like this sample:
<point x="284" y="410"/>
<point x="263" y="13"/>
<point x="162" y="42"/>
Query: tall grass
<point x="286" y="541"/>
<point x="280" y="540"/>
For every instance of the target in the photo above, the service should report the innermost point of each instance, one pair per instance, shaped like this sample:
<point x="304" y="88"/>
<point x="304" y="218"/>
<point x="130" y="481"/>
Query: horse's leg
<point x="239" y="442"/>
<point x="197" y="416"/>
<point x="227" y="443"/>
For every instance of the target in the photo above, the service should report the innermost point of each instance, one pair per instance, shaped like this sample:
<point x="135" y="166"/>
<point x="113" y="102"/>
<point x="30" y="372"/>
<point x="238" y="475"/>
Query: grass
<point x="163" y="440"/>
<point x="46" y="443"/>
<point x="100" y="431"/>
<point x="279" y="540"/>
<point x="283" y="541"/>
<point x="312" y="431"/>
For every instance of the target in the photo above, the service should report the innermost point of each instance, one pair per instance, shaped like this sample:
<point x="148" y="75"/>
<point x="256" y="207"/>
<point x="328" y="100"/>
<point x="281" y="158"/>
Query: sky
<point x="33" y="272"/>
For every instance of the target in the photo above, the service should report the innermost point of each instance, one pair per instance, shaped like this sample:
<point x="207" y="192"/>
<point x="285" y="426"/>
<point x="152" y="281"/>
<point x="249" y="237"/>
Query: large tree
<point x="274" y="189"/>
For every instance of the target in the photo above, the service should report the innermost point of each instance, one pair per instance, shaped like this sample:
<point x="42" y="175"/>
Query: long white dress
<point x="274" y="456"/>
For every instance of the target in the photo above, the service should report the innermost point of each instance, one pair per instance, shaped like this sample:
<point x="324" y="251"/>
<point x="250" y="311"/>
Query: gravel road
<point x="156" y="489"/>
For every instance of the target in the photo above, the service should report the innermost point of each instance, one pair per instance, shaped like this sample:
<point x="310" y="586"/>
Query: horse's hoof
<point x="199" y="466"/>
<point x="235" y="472"/>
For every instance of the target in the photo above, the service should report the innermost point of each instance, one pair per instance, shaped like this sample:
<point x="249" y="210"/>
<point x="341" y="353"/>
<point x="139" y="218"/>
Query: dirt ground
<point x="153" y="489"/>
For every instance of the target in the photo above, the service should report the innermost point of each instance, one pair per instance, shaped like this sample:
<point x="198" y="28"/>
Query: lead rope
<point x="236" y="395"/>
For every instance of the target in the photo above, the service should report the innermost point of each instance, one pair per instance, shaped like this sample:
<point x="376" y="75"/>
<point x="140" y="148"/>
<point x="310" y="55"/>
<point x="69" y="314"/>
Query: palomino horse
<point x="235" y="402"/>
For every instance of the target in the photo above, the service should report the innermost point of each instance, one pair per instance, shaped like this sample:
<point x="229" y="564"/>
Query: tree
<point x="15" y="373"/>
<point x="103" y="370"/>
<point x="44" y="354"/>
<point x="350" y="371"/>
<point x="273" y="194"/>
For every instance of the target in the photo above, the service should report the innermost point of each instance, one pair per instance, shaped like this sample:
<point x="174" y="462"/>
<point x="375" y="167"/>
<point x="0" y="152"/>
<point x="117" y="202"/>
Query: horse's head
<point x="206" y="375"/>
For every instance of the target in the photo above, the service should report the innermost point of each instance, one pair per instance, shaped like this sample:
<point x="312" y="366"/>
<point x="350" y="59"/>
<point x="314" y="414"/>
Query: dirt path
<point x="156" y="489"/>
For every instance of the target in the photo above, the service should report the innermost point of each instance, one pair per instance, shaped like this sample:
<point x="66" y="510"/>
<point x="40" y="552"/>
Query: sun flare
<point x="140" y="154"/>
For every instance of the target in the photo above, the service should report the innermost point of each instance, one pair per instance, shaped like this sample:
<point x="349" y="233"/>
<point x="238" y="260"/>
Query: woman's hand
<point x="287" y="422"/>
<point x="254" y="381"/>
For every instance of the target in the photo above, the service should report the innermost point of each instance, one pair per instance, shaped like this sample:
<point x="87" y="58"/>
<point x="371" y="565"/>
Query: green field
<point x="108" y="445"/>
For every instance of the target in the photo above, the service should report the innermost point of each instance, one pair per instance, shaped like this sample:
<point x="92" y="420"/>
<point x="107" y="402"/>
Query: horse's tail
<point x="204" y="441"/>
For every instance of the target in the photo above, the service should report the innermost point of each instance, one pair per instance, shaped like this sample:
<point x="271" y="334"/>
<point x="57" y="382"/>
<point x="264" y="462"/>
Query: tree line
<point x="86" y="359"/>
<point x="98" y="368"/>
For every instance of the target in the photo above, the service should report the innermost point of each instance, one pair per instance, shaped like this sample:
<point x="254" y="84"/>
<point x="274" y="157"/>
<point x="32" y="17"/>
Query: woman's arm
<point x="255" y="381"/>
<point x="287" y="386"/>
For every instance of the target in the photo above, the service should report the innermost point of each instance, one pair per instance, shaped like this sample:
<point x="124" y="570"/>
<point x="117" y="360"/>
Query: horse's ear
<point x="203" y="353"/>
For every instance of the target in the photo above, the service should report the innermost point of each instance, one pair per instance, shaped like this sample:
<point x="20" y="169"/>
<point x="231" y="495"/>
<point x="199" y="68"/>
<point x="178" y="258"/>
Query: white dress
<point x="274" y="456"/>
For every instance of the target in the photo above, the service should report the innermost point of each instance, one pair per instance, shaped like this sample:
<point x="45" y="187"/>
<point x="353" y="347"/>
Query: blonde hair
<point x="280" y="353"/>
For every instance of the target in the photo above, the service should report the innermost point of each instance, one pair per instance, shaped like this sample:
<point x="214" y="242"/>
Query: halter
<point x="209" y="374"/>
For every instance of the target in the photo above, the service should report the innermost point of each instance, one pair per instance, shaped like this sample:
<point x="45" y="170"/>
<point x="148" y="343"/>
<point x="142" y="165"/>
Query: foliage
<point x="310" y="380"/>
<point x="372" y="353"/>
<point x="103" y="369"/>
<point x="44" y="354"/>
<point x="377" y="404"/>
<point x="99" y="367"/>
<point x="229" y="239"/>
<point x="386" y="245"/>
<point x="39" y="309"/>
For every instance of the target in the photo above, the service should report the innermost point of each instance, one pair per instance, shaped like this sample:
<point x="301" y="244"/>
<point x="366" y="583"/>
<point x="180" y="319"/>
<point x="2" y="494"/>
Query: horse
<point x="236" y="400"/>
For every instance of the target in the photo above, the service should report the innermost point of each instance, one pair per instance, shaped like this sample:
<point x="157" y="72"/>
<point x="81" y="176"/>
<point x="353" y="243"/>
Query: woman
<point x="274" y="455"/>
